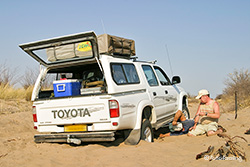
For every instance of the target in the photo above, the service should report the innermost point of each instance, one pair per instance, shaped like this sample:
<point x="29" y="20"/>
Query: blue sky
<point x="206" y="39"/>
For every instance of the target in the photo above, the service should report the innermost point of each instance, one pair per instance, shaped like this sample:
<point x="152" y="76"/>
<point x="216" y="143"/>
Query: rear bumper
<point x="75" y="138"/>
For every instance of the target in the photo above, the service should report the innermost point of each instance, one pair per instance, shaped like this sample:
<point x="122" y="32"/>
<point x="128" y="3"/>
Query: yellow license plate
<point x="75" y="128"/>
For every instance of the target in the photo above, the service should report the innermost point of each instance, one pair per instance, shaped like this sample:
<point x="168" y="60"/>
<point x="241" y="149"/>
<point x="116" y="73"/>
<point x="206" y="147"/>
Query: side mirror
<point x="176" y="80"/>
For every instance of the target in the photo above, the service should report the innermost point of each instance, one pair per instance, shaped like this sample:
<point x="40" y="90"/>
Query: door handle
<point x="166" y="92"/>
<point x="154" y="93"/>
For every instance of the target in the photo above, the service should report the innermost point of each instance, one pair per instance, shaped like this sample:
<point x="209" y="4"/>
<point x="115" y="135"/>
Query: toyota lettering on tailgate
<point x="70" y="113"/>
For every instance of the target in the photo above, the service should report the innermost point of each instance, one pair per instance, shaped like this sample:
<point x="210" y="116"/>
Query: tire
<point x="185" y="111"/>
<point x="147" y="131"/>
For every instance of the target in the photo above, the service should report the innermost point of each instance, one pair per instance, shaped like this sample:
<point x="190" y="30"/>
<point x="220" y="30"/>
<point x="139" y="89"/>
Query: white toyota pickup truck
<point x="91" y="88"/>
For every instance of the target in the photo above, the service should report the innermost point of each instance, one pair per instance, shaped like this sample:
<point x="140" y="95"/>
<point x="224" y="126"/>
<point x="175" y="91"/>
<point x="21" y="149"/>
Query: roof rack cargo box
<point x="107" y="44"/>
<point x="84" y="47"/>
<point x="113" y="45"/>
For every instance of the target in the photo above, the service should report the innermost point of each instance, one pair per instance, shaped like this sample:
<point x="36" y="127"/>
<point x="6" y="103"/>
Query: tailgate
<point x="77" y="110"/>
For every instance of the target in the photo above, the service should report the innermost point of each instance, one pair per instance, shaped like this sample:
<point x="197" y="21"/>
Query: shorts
<point x="186" y="125"/>
<point x="202" y="129"/>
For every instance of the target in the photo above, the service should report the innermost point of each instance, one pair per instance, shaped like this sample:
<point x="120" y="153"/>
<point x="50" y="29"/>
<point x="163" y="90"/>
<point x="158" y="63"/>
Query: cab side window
<point x="150" y="75"/>
<point x="124" y="73"/>
<point x="164" y="80"/>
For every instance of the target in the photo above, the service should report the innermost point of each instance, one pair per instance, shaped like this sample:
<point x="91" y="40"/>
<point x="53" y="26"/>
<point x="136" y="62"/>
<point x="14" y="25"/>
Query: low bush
<point x="237" y="84"/>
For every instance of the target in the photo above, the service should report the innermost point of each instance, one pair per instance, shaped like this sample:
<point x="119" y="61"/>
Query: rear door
<point x="65" y="50"/>
<point x="156" y="92"/>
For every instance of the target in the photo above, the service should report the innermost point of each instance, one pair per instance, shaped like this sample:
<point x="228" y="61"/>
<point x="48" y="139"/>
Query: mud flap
<point x="132" y="137"/>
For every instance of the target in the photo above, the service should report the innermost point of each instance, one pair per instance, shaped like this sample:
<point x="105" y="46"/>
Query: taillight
<point x="114" y="108"/>
<point x="34" y="113"/>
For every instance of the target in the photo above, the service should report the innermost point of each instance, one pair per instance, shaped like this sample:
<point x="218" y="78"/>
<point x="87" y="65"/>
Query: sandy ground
<point x="18" y="148"/>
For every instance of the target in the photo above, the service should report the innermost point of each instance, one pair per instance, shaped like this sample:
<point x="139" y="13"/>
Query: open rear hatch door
<point x="65" y="50"/>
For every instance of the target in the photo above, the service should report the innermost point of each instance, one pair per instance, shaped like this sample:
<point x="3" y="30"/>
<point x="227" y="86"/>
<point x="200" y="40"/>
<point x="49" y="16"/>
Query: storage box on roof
<point x="113" y="45"/>
<point x="107" y="44"/>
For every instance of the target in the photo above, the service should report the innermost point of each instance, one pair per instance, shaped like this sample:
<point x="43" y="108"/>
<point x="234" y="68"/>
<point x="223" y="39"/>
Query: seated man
<point x="207" y="115"/>
<point x="186" y="124"/>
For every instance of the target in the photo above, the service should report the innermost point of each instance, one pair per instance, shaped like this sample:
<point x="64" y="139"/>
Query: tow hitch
<point x="73" y="140"/>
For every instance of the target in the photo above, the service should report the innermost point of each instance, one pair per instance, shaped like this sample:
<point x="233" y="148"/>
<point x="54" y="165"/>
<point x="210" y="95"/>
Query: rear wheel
<point x="147" y="131"/>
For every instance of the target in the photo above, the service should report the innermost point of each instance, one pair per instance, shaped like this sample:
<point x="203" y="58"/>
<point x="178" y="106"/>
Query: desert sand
<point x="19" y="149"/>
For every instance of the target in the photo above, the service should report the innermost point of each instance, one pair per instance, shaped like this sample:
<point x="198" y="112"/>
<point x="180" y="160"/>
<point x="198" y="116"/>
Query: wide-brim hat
<point x="201" y="93"/>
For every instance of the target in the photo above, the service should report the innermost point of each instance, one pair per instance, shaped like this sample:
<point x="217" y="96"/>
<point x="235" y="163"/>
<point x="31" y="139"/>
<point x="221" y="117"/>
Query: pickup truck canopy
<point x="64" y="50"/>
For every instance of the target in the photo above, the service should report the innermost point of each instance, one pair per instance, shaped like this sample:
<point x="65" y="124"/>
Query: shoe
<point x="221" y="128"/>
<point x="247" y="132"/>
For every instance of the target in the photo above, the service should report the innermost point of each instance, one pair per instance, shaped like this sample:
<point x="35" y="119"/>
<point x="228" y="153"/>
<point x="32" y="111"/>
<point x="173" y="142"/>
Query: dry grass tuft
<point x="227" y="103"/>
<point x="10" y="93"/>
<point x="14" y="100"/>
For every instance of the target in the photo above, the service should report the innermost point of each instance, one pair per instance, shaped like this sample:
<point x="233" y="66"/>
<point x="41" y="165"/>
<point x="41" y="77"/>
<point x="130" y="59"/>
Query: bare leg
<point x="164" y="135"/>
<point x="182" y="118"/>
<point x="211" y="133"/>
<point x="189" y="134"/>
<point x="178" y="115"/>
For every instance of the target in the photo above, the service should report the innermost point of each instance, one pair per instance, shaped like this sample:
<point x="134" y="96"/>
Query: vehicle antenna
<point x="103" y="27"/>
<point x="169" y="59"/>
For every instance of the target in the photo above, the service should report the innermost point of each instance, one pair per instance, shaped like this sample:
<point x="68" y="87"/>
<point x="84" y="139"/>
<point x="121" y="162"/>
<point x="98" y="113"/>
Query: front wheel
<point x="185" y="111"/>
<point x="147" y="131"/>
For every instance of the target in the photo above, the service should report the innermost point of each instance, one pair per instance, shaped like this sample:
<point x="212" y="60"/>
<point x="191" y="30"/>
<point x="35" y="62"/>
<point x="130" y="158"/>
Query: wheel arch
<point x="184" y="107"/>
<point x="183" y="100"/>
